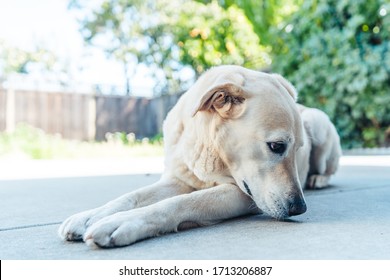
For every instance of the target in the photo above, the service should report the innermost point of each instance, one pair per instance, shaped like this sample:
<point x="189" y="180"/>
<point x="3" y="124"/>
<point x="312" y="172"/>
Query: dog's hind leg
<point x="203" y="207"/>
<point x="317" y="181"/>
<point x="325" y="147"/>
<point x="73" y="228"/>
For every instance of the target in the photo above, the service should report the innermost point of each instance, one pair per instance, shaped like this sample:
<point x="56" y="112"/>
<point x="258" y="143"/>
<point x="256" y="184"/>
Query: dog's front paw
<point x="73" y="228"/>
<point x="317" y="181"/>
<point x="117" y="230"/>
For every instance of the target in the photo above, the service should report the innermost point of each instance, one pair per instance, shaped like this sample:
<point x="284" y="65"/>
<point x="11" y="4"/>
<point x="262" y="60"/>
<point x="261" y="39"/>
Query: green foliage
<point x="130" y="139"/>
<point x="262" y="14"/>
<point x="157" y="139"/>
<point x="29" y="142"/>
<point x="32" y="143"/>
<point x="215" y="36"/>
<point x="16" y="60"/>
<point x="169" y="36"/>
<point x="130" y="32"/>
<point x="337" y="54"/>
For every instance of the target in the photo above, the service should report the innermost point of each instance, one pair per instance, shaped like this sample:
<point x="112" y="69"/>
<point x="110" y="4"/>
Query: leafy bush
<point x="337" y="54"/>
<point x="29" y="142"/>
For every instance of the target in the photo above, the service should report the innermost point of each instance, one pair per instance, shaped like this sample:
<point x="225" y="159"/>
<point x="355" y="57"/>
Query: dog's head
<point x="257" y="131"/>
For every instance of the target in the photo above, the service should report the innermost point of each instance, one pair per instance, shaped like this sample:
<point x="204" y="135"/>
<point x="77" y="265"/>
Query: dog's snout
<point x="297" y="207"/>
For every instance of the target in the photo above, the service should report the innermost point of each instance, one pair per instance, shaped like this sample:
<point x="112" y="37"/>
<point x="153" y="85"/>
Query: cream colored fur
<point x="236" y="143"/>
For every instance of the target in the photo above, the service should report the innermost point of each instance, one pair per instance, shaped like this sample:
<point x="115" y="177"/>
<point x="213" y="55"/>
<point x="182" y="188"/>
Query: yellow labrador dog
<point x="235" y="143"/>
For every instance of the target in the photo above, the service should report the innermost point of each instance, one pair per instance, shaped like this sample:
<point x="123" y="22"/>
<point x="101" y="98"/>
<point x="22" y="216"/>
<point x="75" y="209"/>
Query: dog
<point x="236" y="143"/>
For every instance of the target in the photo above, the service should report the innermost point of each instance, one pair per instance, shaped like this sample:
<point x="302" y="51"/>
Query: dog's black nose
<point x="297" y="208"/>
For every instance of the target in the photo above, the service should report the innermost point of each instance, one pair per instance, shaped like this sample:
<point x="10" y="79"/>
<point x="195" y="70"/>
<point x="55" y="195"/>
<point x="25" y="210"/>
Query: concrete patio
<point x="349" y="220"/>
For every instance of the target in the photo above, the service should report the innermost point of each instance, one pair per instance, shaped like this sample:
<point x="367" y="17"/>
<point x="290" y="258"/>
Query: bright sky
<point x="48" y="23"/>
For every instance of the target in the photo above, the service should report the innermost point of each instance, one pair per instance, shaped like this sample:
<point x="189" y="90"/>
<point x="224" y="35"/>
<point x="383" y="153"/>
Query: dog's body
<point x="236" y="143"/>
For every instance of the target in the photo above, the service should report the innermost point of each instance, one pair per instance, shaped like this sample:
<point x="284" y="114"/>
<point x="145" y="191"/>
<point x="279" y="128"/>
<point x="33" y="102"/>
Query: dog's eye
<point x="277" y="147"/>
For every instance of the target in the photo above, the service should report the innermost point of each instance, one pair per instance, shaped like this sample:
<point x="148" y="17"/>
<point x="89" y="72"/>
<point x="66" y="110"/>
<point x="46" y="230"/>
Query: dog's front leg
<point x="73" y="228"/>
<point x="202" y="207"/>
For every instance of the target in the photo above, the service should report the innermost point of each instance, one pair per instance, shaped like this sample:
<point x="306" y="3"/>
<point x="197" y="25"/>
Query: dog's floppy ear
<point x="287" y="85"/>
<point x="227" y="100"/>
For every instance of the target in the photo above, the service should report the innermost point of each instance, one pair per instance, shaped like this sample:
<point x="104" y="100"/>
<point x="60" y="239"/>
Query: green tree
<point x="168" y="36"/>
<point x="208" y="35"/>
<point x="264" y="15"/>
<point x="16" y="60"/>
<point x="130" y="32"/>
<point x="336" y="53"/>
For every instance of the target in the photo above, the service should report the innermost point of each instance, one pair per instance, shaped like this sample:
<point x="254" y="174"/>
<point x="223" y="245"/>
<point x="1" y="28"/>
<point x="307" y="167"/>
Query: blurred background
<point x="96" y="78"/>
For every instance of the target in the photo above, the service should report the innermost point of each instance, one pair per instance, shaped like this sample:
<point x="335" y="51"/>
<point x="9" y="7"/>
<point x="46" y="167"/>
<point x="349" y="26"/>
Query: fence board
<point x="86" y="117"/>
<point x="3" y="106"/>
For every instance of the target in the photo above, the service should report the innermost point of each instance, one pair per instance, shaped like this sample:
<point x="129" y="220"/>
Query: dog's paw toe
<point x="73" y="228"/>
<point x="115" y="231"/>
<point x="99" y="237"/>
<point x="73" y="236"/>
<point x="91" y="243"/>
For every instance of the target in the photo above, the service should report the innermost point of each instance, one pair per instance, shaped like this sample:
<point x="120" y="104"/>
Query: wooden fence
<point x="84" y="116"/>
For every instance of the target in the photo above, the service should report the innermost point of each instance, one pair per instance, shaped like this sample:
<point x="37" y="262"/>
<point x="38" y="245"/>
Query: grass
<point x="27" y="142"/>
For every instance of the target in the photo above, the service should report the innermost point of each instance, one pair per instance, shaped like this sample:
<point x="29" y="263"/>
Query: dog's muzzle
<point x="294" y="206"/>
